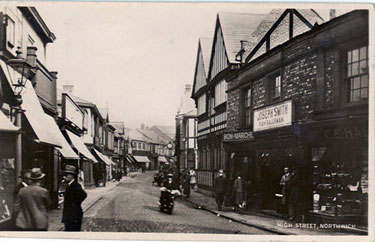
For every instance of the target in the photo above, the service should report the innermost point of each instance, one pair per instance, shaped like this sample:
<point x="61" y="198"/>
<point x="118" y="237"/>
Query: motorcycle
<point x="166" y="202"/>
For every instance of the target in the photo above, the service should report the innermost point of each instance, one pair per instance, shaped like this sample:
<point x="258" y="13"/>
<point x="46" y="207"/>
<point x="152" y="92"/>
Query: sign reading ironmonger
<point x="274" y="116"/>
<point x="238" y="136"/>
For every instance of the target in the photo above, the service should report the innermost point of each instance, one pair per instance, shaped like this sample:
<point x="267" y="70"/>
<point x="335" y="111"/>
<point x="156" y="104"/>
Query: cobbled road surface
<point x="132" y="207"/>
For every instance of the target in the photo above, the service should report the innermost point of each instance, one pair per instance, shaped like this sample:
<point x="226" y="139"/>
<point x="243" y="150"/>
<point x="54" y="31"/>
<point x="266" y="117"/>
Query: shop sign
<point x="274" y="116"/>
<point x="238" y="136"/>
<point x="346" y="133"/>
<point x="71" y="111"/>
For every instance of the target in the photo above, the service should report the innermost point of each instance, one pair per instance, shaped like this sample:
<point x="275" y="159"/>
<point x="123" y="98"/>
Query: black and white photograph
<point x="186" y="121"/>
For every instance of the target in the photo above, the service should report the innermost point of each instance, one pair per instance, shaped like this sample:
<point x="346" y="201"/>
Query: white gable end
<point x="220" y="59"/>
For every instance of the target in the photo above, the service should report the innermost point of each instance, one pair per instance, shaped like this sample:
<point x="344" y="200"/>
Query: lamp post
<point x="23" y="68"/>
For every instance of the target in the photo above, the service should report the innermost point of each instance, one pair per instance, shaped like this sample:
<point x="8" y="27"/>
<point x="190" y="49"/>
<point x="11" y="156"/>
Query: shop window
<point x="340" y="180"/>
<point x="357" y="78"/>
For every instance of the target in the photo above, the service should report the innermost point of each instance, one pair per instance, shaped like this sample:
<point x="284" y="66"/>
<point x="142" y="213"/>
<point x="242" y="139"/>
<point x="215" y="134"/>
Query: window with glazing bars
<point x="357" y="74"/>
<point x="276" y="86"/>
<point x="247" y="106"/>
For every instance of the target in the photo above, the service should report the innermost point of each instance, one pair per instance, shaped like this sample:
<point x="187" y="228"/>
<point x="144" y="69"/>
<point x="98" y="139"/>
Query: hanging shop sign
<point x="238" y="136"/>
<point x="274" y="116"/>
<point x="71" y="111"/>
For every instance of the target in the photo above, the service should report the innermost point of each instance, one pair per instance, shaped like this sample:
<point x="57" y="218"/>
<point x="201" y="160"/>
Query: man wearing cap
<point x="220" y="189"/>
<point x="33" y="204"/>
<point x="73" y="198"/>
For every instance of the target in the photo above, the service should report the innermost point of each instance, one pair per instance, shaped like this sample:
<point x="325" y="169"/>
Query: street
<point x="132" y="207"/>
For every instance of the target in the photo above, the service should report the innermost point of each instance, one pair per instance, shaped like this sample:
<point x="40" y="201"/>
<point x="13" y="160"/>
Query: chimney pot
<point x="332" y="13"/>
<point x="187" y="88"/>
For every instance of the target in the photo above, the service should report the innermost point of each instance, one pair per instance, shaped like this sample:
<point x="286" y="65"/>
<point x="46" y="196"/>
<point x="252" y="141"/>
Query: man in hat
<point x="73" y="198"/>
<point x="220" y="189"/>
<point x="25" y="181"/>
<point x="33" y="204"/>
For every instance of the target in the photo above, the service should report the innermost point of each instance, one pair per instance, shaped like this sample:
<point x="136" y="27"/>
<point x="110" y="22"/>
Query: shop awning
<point x="129" y="159"/>
<point x="65" y="150"/>
<point x="109" y="160"/>
<point x="80" y="146"/>
<point x="143" y="159"/>
<point x="44" y="129"/>
<point x="6" y="125"/>
<point x="162" y="159"/>
<point x="103" y="158"/>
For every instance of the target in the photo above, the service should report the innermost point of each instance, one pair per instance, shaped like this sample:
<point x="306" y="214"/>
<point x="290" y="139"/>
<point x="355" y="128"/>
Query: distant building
<point x="186" y="130"/>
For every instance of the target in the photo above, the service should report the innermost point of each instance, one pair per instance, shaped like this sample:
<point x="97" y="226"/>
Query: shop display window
<point x="340" y="180"/>
<point x="7" y="187"/>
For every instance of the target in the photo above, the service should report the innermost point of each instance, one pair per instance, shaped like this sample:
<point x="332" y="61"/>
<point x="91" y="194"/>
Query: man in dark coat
<point x="73" y="197"/>
<point x="220" y="189"/>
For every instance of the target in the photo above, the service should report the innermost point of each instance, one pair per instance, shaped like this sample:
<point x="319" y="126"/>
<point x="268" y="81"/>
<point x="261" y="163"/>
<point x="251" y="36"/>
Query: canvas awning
<point x="65" y="150"/>
<point x="80" y="146"/>
<point x="6" y="125"/>
<point x="162" y="159"/>
<point x="103" y="158"/>
<point x="109" y="160"/>
<point x="143" y="159"/>
<point x="44" y="129"/>
<point x="129" y="159"/>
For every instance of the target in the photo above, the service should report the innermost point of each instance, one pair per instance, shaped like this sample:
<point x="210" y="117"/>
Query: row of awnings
<point x="44" y="126"/>
<point x="143" y="159"/>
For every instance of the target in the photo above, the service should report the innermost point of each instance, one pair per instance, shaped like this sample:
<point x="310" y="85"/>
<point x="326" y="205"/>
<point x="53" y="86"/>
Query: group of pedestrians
<point x="189" y="181"/>
<point x="32" y="201"/>
<point x="232" y="193"/>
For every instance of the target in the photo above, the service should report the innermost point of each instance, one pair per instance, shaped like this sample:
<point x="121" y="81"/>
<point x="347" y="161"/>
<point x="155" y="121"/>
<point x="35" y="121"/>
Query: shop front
<point x="339" y="160"/>
<point x="8" y="133"/>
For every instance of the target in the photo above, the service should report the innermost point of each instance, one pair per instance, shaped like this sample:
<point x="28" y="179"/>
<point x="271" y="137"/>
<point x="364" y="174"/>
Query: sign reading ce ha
<point x="274" y="116"/>
<point x="71" y="112"/>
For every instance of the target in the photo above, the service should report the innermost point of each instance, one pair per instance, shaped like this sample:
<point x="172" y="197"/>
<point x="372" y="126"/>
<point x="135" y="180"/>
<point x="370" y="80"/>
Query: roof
<point x="154" y="137"/>
<point x="76" y="99"/>
<point x="119" y="126"/>
<point x="169" y="132"/>
<point x="103" y="112"/>
<point x="187" y="105"/>
<point x="38" y="24"/>
<point x="134" y="134"/>
<point x="206" y="46"/>
<point x="236" y="27"/>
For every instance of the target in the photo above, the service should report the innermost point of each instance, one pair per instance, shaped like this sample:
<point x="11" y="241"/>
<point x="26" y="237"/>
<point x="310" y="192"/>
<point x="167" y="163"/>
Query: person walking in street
<point x="32" y="204"/>
<point x="238" y="188"/>
<point x="193" y="178"/>
<point x="285" y="183"/>
<point x="73" y="198"/>
<point x="220" y="189"/>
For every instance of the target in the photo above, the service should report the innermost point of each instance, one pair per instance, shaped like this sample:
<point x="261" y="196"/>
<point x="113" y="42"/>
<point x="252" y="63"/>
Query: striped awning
<point x="142" y="159"/>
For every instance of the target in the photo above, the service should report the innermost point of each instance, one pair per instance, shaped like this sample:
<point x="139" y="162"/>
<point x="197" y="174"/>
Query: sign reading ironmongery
<point x="274" y="116"/>
<point x="238" y="136"/>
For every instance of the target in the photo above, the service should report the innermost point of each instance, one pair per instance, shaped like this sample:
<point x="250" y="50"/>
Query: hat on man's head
<point x="70" y="169"/>
<point x="36" y="174"/>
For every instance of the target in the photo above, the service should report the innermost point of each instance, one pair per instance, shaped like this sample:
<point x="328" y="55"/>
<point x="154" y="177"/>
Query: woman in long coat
<point x="186" y="184"/>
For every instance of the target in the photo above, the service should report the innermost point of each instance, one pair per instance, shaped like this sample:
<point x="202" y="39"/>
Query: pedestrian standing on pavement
<point x="186" y="183"/>
<point x="193" y="178"/>
<point x="285" y="183"/>
<point x="25" y="181"/>
<point x="73" y="198"/>
<point x="238" y="188"/>
<point x="220" y="189"/>
<point x="32" y="204"/>
<point x="294" y="197"/>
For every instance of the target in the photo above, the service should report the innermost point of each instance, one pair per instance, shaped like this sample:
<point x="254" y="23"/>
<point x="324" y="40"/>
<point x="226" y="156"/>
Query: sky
<point x="134" y="58"/>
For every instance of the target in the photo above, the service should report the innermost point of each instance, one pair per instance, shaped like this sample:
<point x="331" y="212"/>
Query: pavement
<point x="264" y="221"/>
<point x="94" y="194"/>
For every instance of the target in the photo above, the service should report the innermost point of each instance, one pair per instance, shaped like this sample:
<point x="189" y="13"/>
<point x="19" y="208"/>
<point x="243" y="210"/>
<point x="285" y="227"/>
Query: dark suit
<point x="219" y="190"/>
<point x="72" y="213"/>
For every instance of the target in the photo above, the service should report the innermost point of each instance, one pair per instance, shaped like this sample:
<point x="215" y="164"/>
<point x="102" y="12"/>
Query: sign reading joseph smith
<point x="274" y="116"/>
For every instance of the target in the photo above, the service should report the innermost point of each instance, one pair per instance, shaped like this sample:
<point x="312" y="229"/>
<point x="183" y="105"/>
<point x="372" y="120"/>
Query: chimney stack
<point x="54" y="74"/>
<point x="187" y="88"/>
<point x="31" y="55"/>
<point x="68" y="89"/>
